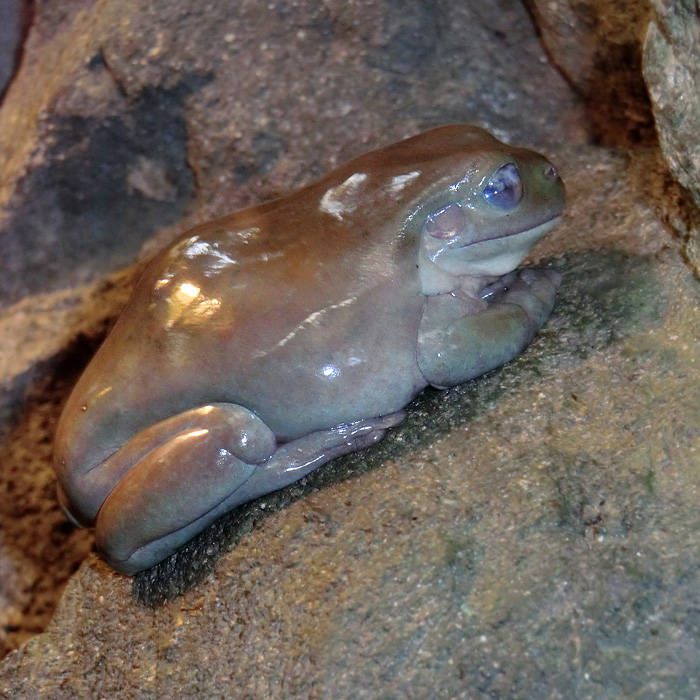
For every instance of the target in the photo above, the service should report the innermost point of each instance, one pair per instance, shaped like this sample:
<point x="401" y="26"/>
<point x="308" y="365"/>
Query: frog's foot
<point x="300" y="457"/>
<point x="494" y="291"/>
<point x="220" y="460"/>
<point x="451" y="351"/>
<point x="154" y="490"/>
<point x="540" y="282"/>
<point x="534" y="291"/>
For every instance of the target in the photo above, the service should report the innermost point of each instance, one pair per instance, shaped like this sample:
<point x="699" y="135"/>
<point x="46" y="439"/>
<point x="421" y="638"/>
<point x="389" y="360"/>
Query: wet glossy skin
<point x="261" y="345"/>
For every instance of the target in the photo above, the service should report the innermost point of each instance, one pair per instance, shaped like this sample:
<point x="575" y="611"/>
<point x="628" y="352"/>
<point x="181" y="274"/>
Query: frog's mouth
<point x="532" y="234"/>
<point x="487" y="257"/>
<point x="494" y="256"/>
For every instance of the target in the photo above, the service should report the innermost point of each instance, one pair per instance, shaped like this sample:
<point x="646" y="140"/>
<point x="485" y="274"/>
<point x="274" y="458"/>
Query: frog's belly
<point x="303" y="369"/>
<point x="295" y="399"/>
<point x="322" y="376"/>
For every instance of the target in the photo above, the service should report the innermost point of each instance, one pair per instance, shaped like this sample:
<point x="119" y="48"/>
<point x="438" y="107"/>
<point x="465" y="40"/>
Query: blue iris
<point x="505" y="188"/>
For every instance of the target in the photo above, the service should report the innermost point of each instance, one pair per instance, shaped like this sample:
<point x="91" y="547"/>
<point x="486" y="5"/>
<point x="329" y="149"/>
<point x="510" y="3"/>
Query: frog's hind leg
<point x="181" y="471"/>
<point x="186" y="482"/>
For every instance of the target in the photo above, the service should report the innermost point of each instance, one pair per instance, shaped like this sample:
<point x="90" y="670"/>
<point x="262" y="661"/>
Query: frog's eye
<point x="446" y="223"/>
<point x="505" y="188"/>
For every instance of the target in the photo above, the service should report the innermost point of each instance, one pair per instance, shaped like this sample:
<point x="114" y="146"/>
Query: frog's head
<point x="490" y="206"/>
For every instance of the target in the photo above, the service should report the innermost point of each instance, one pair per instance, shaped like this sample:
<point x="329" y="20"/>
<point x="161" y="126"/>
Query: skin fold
<point x="261" y="345"/>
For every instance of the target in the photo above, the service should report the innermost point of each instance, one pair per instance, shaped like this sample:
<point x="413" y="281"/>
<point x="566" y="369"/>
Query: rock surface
<point x="672" y="72"/>
<point x="599" y="49"/>
<point x="45" y="341"/>
<point x="531" y="534"/>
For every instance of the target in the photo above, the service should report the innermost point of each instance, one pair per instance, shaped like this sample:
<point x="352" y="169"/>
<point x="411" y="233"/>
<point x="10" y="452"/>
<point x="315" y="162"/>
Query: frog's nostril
<point x="550" y="172"/>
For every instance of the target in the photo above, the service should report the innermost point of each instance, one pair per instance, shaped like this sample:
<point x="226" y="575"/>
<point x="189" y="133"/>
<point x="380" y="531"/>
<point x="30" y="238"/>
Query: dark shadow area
<point x="41" y="550"/>
<point x="106" y="185"/>
<point x="16" y="18"/>
<point x="599" y="54"/>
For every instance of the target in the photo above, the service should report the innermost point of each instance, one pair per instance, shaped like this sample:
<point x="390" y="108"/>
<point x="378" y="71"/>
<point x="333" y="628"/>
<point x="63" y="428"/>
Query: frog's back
<point x="264" y="270"/>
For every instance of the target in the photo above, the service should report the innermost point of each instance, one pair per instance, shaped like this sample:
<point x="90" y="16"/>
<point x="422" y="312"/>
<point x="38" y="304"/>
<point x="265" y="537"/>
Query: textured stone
<point x="672" y="72"/>
<point x="598" y="46"/>
<point x="45" y="341"/>
<point x="532" y="534"/>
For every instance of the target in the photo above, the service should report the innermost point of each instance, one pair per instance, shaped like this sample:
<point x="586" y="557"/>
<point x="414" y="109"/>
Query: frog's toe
<point x="532" y="276"/>
<point x="534" y="291"/>
<point x="361" y="427"/>
<point x="375" y="431"/>
<point x="368" y="439"/>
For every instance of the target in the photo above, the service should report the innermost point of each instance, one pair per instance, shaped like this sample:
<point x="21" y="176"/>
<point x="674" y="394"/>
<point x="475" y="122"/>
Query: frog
<point x="259" y="346"/>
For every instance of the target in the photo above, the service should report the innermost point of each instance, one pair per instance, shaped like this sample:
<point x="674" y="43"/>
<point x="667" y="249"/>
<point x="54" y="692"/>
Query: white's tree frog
<point x="263" y="344"/>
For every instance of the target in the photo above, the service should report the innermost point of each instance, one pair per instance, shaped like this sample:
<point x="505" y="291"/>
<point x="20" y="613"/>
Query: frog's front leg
<point x="455" y="344"/>
<point x="223" y="456"/>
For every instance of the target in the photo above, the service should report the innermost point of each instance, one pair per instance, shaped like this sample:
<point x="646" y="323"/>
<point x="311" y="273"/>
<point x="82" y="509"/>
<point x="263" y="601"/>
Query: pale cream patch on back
<point x="344" y="198"/>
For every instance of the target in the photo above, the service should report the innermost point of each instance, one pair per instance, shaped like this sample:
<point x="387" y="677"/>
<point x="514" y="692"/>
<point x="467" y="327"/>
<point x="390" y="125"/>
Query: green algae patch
<point x="606" y="296"/>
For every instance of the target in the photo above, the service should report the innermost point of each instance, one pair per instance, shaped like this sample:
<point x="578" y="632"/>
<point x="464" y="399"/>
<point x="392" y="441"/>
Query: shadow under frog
<point x="606" y="297"/>
<point x="264" y="344"/>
